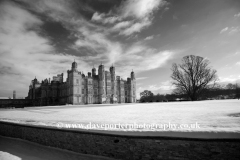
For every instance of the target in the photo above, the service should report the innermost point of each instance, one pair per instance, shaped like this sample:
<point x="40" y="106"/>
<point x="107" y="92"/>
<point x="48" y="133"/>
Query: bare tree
<point x="193" y="76"/>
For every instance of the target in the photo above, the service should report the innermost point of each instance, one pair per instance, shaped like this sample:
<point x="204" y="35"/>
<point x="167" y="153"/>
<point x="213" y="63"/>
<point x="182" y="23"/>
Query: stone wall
<point x="125" y="146"/>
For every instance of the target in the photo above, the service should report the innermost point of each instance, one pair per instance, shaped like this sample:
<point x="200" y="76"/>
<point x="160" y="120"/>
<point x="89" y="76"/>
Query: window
<point x="82" y="91"/>
<point x="77" y="81"/>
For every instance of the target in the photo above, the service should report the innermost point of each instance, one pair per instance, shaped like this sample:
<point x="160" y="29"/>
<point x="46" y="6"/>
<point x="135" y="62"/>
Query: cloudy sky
<point x="42" y="38"/>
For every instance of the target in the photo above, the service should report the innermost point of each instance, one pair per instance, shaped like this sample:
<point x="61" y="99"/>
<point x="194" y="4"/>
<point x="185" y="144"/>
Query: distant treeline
<point x="229" y="91"/>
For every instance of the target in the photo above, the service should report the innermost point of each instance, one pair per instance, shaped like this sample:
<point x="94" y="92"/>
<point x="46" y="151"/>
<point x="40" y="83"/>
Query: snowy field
<point x="212" y="116"/>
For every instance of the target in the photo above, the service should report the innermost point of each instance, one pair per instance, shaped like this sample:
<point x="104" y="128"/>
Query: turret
<point x="89" y="74"/>
<point x="35" y="80"/>
<point x="102" y="91"/>
<point x="93" y="71"/>
<point x="112" y="72"/>
<point x="133" y="88"/>
<point x="101" y="72"/>
<point x="74" y="66"/>
<point x="132" y="75"/>
<point x="14" y="94"/>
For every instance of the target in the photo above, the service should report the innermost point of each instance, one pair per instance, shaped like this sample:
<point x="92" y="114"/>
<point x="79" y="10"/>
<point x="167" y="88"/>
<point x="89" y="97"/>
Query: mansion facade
<point x="102" y="88"/>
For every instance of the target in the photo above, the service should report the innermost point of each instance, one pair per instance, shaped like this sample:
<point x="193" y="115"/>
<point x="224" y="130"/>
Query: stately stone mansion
<point x="105" y="87"/>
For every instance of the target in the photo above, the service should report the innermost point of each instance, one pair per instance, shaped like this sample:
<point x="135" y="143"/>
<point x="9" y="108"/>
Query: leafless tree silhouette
<point x="193" y="76"/>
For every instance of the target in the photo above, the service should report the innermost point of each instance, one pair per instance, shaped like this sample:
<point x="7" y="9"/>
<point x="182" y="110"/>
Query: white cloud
<point x="224" y="30"/>
<point x="162" y="88"/>
<point x="99" y="42"/>
<point x="229" y="79"/>
<point x="231" y="30"/>
<point x="121" y="25"/>
<point x="132" y="16"/>
<point x="142" y="58"/>
<point x="24" y="53"/>
<point x="140" y="8"/>
<point x="157" y="60"/>
<point x="89" y="35"/>
<point x="56" y="9"/>
<point x="136" y="27"/>
<point x="238" y="63"/>
<point x="234" y="30"/>
<point x="95" y="38"/>
<point x="97" y="17"/>
<point x="149" y="37"/>
<point x="140" y="78"/>
<point x="103" y="18"/>
<point x="237" y="15"/>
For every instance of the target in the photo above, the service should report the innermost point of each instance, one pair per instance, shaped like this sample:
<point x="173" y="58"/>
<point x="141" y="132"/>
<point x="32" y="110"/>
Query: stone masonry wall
<point x="124" y="147"/>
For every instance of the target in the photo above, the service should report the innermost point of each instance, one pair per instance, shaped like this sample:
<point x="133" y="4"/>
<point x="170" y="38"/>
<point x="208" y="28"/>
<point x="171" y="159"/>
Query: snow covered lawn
<point x="212" y="116"/>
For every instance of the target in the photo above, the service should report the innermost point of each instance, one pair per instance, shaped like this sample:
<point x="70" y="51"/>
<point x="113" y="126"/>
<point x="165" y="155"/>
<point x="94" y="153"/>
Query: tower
<point x="34" y="88"/>
<point x="74" y="66"/>
<point x="133" y="88"/>
<point x="113" y="85"/>
<point x="95" y="85"/>
<point x="118" y="89"/>
<point x="112" y="71"/>
<point x="14" y="94"/>
<point x="93" y="71"/>
<point x="102" y="85"/>
<point x="132" y="75"/>
<point x="74" y="85"/>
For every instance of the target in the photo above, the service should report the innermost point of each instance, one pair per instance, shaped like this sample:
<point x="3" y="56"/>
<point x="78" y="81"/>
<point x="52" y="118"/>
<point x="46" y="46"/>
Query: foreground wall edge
<point x="123" y="146"/>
